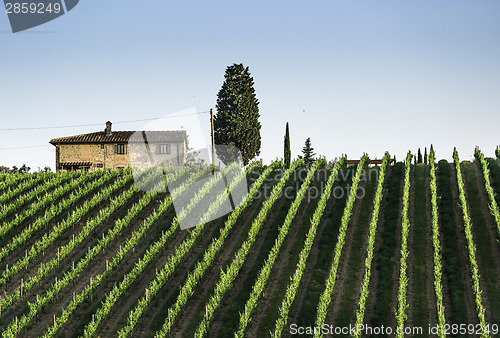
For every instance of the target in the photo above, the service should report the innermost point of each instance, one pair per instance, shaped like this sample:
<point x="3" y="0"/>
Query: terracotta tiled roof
<point x="123" y="136"/>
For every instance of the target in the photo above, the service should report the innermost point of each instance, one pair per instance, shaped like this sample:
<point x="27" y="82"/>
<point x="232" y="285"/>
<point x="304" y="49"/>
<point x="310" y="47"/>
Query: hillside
<point x="408" y="245"/>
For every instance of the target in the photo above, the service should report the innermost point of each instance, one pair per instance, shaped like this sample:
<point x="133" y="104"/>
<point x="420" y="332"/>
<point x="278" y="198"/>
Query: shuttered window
<point x="163" y="149"/>
<point x="120" y="149"/>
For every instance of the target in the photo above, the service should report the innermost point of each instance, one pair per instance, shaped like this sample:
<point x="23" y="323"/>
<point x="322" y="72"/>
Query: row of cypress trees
<point x="308" y="150"/>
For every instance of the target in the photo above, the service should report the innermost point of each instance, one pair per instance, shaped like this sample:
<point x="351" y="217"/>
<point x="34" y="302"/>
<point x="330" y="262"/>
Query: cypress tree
<point x="308" y="153"/>
<point x="419" y="156"/>
<point x="237" y="120"/>
<point x="425" y="155"/>
<point x="287" y="152"/>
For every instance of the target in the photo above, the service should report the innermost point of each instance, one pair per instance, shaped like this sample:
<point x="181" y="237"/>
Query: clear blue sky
<point x="355" y="76"/>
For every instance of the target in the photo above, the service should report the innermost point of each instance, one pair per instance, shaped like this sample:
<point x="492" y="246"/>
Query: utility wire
<point x="25" y="147"/>
<point x="98" y="124"/>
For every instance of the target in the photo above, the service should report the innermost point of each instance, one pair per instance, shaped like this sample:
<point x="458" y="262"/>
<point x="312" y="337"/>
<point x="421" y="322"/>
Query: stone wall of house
<point x="141" y="157"/>
<point x="96" y="153"/>
<point x="105" y="154"/>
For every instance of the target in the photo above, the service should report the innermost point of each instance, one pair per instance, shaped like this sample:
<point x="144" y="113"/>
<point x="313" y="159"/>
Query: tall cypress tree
<point x="287" y="152"/>
<point x="425" y="155"/>
<point x="308" y="153"/>
<point x="237" y="120"/>
<point x="419" y="156"/>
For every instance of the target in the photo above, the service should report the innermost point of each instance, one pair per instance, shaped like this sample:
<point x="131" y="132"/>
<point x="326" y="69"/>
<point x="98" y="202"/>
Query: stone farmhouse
<point x="120" y="149"/>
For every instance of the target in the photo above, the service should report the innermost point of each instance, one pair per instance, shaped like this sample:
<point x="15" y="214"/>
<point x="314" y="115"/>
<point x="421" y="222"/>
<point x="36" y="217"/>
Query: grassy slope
<point x="452" y="266"/>
<point x="487" y="264"/>
<point x="385" y="257"/>
<point x="347" y="311"/>
<point x="421" y="235"/>
<point x="326" y="244"/>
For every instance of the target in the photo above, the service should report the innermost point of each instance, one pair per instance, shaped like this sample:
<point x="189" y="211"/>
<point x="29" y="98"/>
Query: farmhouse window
<point x="120" y="149"/>
<point x="163" y="149"/>
<point x="102" y="145"/>
<point x="100" y="165"/>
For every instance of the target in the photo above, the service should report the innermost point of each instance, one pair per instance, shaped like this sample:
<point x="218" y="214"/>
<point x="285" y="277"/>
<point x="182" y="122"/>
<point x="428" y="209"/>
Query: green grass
<point x="326" y="245"/>
<point x="452" y="266"/>
<point x="494" y="177"/>
<point x="198" y="317"/>
<point x="231" y="317"/>
<point x="289" y="263"/>
<point x="385" y="257"/>
<point x="482" y="241"/>
<point x="348" y="305"/>
<point x="422" y="234"/>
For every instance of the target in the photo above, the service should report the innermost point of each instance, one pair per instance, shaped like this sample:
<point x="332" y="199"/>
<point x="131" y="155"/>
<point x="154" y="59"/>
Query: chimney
<point x="107" y="131"/>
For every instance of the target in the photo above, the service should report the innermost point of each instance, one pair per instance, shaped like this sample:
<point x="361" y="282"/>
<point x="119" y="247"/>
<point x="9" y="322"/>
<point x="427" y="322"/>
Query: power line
<point x="99" y="124"/>
<point x="25" y="147"/>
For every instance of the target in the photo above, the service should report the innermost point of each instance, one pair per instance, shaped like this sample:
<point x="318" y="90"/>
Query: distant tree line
<point x="419" y="159"/>
<point x="22" y="169"/>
